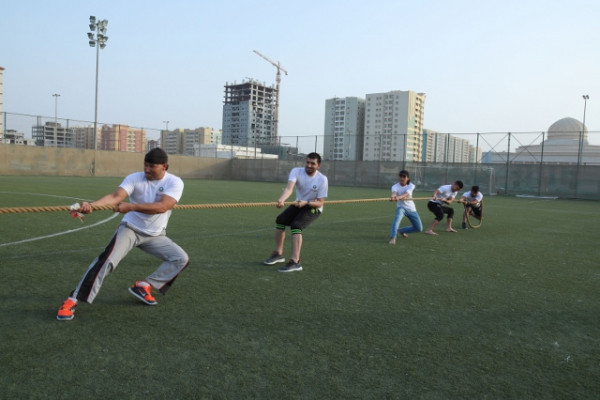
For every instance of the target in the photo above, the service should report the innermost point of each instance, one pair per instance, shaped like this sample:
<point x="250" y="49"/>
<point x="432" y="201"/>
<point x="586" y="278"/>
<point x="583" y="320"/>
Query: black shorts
<point x="297" y="218"/>
<point x="476" y="210"/>
<point x="439" y="210"/>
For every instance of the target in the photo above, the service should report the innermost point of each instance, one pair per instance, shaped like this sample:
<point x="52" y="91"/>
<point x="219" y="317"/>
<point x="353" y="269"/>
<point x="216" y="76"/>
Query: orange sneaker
<point x="143" y="293"/>
<point x="66" y="311"/>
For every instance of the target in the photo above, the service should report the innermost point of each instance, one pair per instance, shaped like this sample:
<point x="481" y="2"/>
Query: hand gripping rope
<point x="75" y="214"/>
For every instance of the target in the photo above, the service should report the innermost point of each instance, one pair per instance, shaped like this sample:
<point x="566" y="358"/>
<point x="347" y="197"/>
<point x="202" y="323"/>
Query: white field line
<point x="60" y="233"/>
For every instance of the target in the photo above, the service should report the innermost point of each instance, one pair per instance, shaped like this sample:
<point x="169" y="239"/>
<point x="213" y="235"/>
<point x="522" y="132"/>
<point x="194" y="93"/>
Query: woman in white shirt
<point x="402" y="195"/>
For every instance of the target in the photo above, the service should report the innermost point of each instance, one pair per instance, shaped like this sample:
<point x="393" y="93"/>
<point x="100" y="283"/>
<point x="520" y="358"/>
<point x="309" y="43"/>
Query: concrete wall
<point x="52" y="161"/>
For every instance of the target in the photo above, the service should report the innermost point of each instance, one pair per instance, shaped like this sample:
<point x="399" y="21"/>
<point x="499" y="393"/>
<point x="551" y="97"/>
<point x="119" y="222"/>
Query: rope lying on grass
<point x="17" y="210"/>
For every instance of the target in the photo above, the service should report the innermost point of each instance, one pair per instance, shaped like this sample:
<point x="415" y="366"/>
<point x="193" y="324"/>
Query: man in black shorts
<point x="311" y="192"/>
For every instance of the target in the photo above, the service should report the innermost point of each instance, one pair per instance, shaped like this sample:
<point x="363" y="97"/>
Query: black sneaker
<point x="274" y="259"/>
<point x="143" y="293"/>
<point x="291" y="266"/>
<point x="464" y="225"/>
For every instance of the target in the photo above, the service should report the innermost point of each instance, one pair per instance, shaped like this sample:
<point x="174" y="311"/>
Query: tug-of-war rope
<point x="16" y="210"/>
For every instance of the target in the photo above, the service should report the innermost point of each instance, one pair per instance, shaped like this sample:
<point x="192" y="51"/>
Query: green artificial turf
<point x="507" y="311"/>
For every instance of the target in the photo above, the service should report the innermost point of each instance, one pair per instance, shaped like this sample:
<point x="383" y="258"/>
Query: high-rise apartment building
<point x="123" y="138"/>
<point x="445" y="148"/>
<point x="248" y="114"/>
<point x="394" y="126"/>
<point x="344" y="128"/>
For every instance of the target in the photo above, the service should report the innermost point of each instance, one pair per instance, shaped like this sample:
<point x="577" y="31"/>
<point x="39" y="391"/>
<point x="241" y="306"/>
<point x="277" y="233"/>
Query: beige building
<point x="186" y="141"/>
<point x="123" y="138"/>
<point x="394" y="126"/>
<point x="84" y="137"/>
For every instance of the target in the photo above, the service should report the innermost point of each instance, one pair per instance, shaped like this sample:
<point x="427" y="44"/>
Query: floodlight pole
<point x="56" y="96"/>
<point x="582" y="137"/>
<point x="99" y="41"/>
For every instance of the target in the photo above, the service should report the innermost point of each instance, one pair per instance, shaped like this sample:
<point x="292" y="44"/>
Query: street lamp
<point x="581" y="139"/>
<point x="99" y="41"/>
<point x="56" y="96"/>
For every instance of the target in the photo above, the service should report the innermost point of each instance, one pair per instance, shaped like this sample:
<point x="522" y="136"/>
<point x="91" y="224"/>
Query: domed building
<point x="561" y="145"/>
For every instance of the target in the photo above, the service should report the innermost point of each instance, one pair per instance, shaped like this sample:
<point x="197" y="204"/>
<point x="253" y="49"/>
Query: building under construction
<point x="249" y="114"/>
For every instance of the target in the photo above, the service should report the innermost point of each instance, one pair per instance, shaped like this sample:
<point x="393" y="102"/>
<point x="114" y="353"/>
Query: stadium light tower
<point x="581" y="139"/>
<point x="99" y="42"/>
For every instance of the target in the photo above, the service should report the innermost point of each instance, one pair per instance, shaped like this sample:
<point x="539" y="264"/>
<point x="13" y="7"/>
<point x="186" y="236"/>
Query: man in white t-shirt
<point x="152" y="194"/>
<point x="440" y="205"/>
<point x="472" y="201"/>
<point x="311" y="192"/>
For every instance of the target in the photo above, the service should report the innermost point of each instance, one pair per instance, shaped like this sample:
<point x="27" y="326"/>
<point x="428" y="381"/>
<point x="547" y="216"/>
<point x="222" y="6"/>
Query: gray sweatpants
<point x="174" y="258"/>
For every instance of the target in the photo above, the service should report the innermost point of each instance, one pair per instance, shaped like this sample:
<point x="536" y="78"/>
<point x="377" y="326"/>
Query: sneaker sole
<point x="141" y="298"/>
<point x="58" y="317"/>
<point x="274" y="262"/>
<point x="290" y="270"/>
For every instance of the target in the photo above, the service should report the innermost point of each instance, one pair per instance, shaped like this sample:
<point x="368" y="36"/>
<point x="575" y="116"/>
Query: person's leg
<point x="284" y="219"/>
<point x="296" y="246"/>
<point x="436" y="209"/>
<point x="304" y="218"/>
<point x="122" y="242"/>
<point x="415" y="221"/>
<point x="174" y="258"/>
<point x="279" y="239"/>
<point x="450" y="212"/>
<point x="396" y="224"/>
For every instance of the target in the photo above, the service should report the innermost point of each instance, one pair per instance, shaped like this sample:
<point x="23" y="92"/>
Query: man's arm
<point x="285" y="194"/>
<point x="110" y="199"/>
<point x="163" y="205"/>
<point x="317" y="203"/>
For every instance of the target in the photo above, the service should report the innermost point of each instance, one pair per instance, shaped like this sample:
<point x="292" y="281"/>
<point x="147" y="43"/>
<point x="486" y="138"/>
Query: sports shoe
<point x="291" y="266"/>
<point x="66" y="311"/>
<point x="274" y="259"/>
<point x="143" y="293"/>
<point x="464" y="225"/>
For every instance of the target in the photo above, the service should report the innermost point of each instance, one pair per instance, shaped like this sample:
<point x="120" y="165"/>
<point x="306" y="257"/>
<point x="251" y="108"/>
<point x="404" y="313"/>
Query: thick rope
<point x="17" y="210"/>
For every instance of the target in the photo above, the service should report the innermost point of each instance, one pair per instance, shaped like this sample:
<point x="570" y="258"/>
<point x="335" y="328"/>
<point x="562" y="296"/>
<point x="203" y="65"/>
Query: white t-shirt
<point x="469" y="198"/>
<point x="141" y="190"/>
<point x="408" y="205"/>
<point x="445" y="192"/>
<point x="309" y="187"/>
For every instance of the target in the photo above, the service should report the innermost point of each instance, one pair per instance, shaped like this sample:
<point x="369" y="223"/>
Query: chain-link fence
<point x="553" y="163"/>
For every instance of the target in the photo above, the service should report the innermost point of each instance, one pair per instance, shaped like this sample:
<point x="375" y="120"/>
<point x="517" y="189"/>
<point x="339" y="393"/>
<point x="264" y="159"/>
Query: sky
<point x="485" y="66"/>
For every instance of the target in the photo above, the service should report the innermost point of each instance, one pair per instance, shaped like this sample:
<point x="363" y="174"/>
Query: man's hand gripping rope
<point x="74" y="211"/>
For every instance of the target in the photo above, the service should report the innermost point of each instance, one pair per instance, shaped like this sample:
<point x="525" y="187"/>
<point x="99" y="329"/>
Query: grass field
<point x="507" y="311"/>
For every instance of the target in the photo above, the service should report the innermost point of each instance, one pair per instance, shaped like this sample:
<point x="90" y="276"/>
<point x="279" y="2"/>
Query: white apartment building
<point x="344" y="128"/>
<point x="394" y="126"/>
<point x="445" y="148"/>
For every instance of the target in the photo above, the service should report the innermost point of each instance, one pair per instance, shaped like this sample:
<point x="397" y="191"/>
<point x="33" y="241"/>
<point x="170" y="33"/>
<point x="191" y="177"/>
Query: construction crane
<point x="278" y="80"/>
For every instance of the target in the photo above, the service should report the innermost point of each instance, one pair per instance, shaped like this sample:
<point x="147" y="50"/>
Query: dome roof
<point x="566" y="130"/>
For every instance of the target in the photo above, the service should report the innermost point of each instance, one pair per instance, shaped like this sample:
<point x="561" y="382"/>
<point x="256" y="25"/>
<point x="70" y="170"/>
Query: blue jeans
<point x="413" y="216"/>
